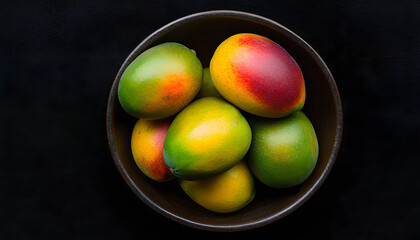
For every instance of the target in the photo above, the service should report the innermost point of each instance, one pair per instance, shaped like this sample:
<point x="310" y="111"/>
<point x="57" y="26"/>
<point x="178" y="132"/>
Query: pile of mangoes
<point x="215" y="129"/>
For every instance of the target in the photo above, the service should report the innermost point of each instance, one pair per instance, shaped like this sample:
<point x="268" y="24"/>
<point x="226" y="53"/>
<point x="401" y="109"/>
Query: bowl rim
<point x="251" y="224"/>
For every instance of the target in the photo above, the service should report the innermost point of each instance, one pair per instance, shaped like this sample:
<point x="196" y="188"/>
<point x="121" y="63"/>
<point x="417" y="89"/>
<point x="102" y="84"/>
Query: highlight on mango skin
<point x="146" y="145"/>
<point x="258" y="76"/>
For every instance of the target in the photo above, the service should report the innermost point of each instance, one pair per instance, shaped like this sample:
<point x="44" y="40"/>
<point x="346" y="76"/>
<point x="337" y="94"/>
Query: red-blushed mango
<point x="146" y="145"/>
<point x="258" y="75"/>
<point x="206" y="138"/>
<point x="224" y="193"/>
<point x="160" y="81"/>
<point x="283" y="151"/>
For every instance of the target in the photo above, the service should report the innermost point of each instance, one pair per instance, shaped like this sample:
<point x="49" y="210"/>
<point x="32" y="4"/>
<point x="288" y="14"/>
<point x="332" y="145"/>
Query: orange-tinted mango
<point x="146" y="145"/>
<point x="160" y="81"/>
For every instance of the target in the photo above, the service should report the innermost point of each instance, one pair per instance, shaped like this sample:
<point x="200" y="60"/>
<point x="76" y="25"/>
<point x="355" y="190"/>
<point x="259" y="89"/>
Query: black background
<point x="58" y="60"/>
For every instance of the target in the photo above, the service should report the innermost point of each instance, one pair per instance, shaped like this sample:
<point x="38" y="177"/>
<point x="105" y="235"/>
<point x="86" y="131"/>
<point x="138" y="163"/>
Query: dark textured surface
<point x="57" y="63"/>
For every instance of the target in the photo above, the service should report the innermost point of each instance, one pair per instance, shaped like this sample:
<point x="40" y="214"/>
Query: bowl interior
<point x="203" y="32"/>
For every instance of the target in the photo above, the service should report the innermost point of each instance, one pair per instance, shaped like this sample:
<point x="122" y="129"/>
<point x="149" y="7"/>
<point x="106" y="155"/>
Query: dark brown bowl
<point x="203" y="32"/>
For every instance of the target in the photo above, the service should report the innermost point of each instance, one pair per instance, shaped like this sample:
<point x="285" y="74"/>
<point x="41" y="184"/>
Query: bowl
<point x="203" y="32"/>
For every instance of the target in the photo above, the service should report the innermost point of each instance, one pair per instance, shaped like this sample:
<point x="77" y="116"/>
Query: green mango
<point x="207" y="88"/>
<point x="283" y="151"/>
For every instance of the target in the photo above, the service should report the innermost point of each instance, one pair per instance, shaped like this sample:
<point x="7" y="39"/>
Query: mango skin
<point x="258" y="76"/>
<point x="284" y="151"/>
<point x="146" y="146"/>
<point x="160" y="81"/>
<point x="223" y="193"/>
<point x="207" y="88"/>
<point x="206" y="138"/>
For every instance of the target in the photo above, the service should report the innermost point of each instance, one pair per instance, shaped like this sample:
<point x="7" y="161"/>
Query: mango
<point x="160" y="81"/>
<point x="146" y="145"/>
<point x="223" y="193"/>
<point x="207" y="88"/>
<point x="283" y="151"/>
<point x="258" y="76"/>
<point x="207" y="137"/>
